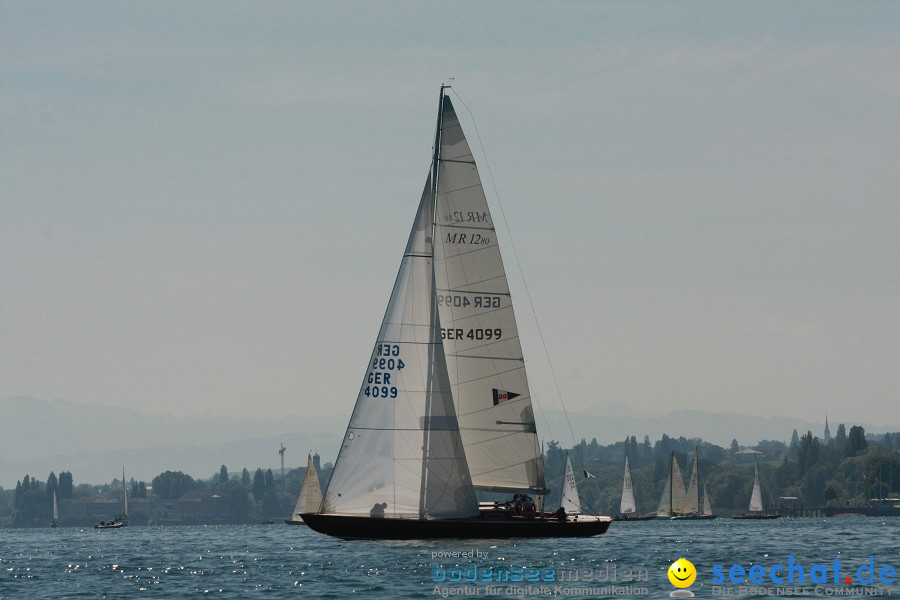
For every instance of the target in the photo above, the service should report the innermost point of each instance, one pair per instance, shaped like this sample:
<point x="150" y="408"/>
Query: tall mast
<point x="671" y="480"/>
<point x="124" y="493"/>
<point x="426" y="448"/>
<point x="436" y="158"/>
<point x="699" y="482"/>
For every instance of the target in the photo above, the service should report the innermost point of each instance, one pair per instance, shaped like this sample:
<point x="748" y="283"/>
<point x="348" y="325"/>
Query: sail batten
<point x="511" y="490"/>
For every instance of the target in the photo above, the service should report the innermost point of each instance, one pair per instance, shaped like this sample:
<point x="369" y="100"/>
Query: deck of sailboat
<point x="484" y="526"/>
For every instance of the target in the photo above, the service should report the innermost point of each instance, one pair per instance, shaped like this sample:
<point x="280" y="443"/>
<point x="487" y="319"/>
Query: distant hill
<point x="94" y="442"/>
<point x="612" y="423"/>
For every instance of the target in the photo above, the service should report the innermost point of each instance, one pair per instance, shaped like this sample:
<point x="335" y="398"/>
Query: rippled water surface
<point x="280" y="561"/>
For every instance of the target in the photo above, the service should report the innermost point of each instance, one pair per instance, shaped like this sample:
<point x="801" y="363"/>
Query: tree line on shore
<point x="239" y="498"/>
<point x="848" y="469"/>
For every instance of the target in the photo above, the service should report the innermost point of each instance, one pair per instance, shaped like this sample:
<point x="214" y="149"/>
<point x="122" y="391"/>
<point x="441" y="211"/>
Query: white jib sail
<point x="55" y="507"/>
<point x="673" y="494"/>
<point x="402" y="455"/>
<point x="481" y="339"/>
<point x="310" y="494"/>
<point x="707" y="510"/>
<point x="678" y="493"/>
<point x="570" y="500"/>
<point x="756" y="504"/>
<point x="665" y="501"/>
<point x="628" y="504"/>
<point x="691" y="502"/>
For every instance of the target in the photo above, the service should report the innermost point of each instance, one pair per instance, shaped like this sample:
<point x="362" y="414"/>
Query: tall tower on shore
<point x="281" y="454"/>
<point x="827" y="431"/>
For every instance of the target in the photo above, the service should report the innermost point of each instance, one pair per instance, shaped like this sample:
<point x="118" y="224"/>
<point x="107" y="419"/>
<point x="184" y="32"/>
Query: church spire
<point x="827" y="431"/>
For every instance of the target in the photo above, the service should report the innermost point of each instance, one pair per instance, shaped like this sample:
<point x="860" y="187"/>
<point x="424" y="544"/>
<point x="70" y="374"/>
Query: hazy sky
<point x="203" y="205"/>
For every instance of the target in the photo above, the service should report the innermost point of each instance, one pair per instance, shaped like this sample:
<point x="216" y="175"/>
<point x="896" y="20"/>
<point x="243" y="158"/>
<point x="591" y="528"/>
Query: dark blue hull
<point x="368" y="528"/>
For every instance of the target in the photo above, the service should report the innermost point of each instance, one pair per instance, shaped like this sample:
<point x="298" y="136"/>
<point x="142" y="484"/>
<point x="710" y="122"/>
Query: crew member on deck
<point x="528" y="506"/>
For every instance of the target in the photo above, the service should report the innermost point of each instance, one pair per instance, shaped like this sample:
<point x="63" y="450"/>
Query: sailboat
<point x="628" y="506"/>
<point x="310" y="494"/>
<point x="444" y="409"/>
<point x="570" y="501"/>
<point x="755" y="510"/>
<point x="121" y="520"/>
<point x="55" y="521"/>
<point x="673" y="496"/>
<point x="691" y="507"/>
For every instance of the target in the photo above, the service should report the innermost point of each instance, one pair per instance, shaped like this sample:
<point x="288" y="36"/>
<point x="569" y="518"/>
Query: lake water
<point x="280" y="561"/>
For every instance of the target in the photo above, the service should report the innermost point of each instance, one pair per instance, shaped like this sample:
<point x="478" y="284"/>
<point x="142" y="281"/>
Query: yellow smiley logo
<point x="682" y="573"/>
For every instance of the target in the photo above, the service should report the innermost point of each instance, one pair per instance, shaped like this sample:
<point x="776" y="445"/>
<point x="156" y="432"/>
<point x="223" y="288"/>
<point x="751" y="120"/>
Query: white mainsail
<point x="310" y="494"/>
<point x="628" y="504"/>
<point x="55" y="508"/>
<point x="481" y="339"/>
<point x="673" y="493"/>
<point x="692" y="499"/>
<point x="570" y="500"/>
<point x="756" y="503"/>
<point x="402" y="456"/>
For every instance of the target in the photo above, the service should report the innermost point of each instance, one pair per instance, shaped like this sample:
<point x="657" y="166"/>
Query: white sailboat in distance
<point x="756" y="509"/>
<point x="673" y="493"/>
<point x="55" y="521"/>
<point x="691" y="507"/>
<point x="310" y="494"/>
<point x="570" y="502"/>
<point x="628" y="506"/>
